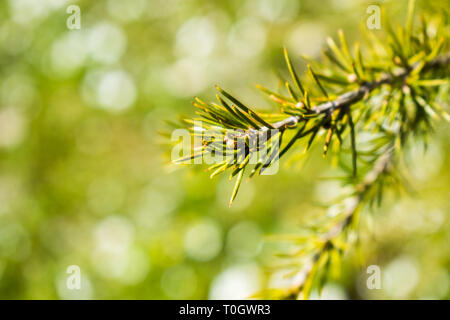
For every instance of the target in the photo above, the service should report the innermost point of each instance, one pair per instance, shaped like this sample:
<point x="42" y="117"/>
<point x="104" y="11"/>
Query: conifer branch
<point x="382" y="166"/>
<point x="394" y="92"/>
<point x="352" y="97"/>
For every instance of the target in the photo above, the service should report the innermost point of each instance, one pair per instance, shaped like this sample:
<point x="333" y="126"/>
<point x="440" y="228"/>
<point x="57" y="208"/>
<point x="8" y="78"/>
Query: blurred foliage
<point x="82" y="180"/>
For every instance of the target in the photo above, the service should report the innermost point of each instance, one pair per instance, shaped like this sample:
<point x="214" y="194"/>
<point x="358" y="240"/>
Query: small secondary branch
<point x="381" y="167"/>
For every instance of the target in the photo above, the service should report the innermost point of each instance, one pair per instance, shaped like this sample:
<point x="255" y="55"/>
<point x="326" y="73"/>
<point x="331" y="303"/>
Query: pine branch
<point x="242" y="128"/>
<point x="382" y="166"/>
<point x="406" y="78"/>
<point x="352" y="97"/>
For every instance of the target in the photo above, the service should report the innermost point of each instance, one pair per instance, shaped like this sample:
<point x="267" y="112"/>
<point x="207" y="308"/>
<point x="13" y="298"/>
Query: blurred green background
<point x="85" y="179"/>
